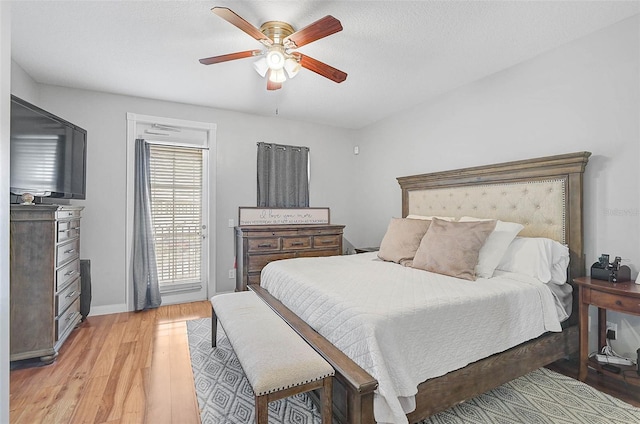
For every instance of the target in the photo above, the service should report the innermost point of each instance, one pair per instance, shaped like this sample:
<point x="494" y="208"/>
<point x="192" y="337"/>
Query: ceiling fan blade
<point x="315" y="31"/>
<point x="230" y="56"/>
<point x="272" y="85"/>
<point x="231" y="17"/>
<point x="321" y="68"/>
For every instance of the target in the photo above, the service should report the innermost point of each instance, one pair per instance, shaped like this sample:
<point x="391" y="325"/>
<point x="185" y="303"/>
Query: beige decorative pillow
<point x="402" y="239"/>
<point x="452" y="248"/>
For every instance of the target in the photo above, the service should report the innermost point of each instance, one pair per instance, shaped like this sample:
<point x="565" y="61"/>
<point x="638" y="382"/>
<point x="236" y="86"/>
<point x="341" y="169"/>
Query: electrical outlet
<point x="613" y="327"/>
<point x="232" y="273"/>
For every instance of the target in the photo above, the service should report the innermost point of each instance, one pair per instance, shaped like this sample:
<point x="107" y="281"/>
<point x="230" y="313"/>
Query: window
<point x="183" y="182"/>
<point x="176" y="210"/>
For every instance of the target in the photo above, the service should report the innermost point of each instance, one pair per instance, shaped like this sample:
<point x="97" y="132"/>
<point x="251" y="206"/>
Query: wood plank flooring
<point x="120" y="368"/>
<point x="135" y="368"/>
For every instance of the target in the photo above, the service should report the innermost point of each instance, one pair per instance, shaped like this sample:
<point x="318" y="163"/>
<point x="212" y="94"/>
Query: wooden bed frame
<point x="354" y="387"/>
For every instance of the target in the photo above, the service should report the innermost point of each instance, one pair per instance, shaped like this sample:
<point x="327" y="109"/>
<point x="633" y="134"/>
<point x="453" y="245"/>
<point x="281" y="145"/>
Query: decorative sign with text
<point x="283" y="216"/>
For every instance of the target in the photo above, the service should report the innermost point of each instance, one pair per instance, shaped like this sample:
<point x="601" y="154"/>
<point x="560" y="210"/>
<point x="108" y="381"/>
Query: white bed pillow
<point x="495" y="246"/>
<point x="541" y="258"/>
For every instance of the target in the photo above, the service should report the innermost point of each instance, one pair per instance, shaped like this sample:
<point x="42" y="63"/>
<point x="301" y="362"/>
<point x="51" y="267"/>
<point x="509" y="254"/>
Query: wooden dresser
<point x="257" y="245"/>
<point x="44" y="279"/>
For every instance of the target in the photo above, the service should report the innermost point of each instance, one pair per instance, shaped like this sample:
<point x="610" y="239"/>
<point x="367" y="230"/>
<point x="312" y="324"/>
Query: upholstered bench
<point x="276" y="360"/>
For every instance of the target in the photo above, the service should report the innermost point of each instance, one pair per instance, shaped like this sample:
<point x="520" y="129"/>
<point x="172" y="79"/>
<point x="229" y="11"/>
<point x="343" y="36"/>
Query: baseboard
<point x="107" y="309"/>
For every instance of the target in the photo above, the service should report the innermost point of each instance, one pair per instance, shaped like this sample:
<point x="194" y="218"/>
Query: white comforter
<point x="404" y="325"/>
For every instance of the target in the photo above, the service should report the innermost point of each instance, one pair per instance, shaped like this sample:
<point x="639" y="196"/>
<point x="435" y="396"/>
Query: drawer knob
<point x="70" y="251"/>
<point x="70" y="294"/>
<point x="618" y="302"/>
<point x="264" y="245"/>
<point x="73" y="271"/>
<point x="297" y="243"/>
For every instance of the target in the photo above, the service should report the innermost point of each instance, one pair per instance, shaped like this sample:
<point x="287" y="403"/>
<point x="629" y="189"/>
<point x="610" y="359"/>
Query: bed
<point x="543" y="194"/>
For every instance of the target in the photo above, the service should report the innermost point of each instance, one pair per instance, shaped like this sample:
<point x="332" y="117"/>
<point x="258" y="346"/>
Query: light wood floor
<point x="135" y="368"/>
<point x="120" y="368"/>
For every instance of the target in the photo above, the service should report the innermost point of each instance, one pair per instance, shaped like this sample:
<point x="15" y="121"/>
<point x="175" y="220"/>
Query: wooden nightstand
<point x="620" y="297"/>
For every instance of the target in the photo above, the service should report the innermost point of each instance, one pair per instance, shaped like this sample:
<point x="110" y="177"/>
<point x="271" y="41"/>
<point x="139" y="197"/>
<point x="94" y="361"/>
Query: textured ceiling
<point x="397" y="53"/>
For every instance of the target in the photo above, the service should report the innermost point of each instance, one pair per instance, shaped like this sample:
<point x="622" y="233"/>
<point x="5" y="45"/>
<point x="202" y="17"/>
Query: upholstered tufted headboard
<point x="543" y="194"/>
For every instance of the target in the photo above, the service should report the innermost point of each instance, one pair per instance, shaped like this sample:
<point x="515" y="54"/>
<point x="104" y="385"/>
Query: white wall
<point x="584" y="95"/>
<point x="22" y="83"/>
<point x="5" y="87"/>
<point x="104" y="117"/>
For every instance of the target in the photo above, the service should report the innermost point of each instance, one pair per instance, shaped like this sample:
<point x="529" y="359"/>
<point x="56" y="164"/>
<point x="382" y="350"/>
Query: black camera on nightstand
<point x="612" y="272"/>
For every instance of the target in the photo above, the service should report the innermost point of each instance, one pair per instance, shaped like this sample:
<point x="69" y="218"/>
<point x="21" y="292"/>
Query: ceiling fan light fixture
<point x="292" y="67"/>
<point x="275" y="58"/>
<point x="261" y="66"/>
<point x="277" y="75"/>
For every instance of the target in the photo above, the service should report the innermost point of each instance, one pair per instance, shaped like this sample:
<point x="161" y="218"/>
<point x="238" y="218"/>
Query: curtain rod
<point x="282" y="146"/>
<point x="179" y="143"/>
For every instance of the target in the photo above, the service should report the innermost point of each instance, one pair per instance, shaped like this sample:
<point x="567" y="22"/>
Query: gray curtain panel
<point x="283" y="178"/>
<point x="145" y="274"/>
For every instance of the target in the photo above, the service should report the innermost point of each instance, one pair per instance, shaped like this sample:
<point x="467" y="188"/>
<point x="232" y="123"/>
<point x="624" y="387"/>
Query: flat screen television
<point x="48" y="154"/>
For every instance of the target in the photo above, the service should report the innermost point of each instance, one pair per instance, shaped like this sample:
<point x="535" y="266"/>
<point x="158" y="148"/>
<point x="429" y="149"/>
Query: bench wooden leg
<point x="327" y="400"/>
<point x="214" y="328"/>
<point x="262" y="409"/>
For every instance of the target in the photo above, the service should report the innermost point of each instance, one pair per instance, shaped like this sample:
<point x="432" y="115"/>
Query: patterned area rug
<point x="543" y="396"/>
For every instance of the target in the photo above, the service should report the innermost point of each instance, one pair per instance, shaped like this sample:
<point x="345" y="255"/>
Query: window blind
<point x="176" y="210"/>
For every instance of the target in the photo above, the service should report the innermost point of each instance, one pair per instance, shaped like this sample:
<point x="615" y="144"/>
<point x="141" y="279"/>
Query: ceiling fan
<point x="281" y="41"/>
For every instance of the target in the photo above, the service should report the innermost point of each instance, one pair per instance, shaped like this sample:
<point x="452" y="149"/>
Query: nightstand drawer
<point x="615" y="303"/>
<point x="264" y="244"/>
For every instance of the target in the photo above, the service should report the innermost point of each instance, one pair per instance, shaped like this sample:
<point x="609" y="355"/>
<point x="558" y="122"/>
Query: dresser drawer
<point x="315" y="253"/>
<point x="332" y="240"/>
<point x="67" y="296"/>
<point x="68" y="230"/>
<point x="264" y="244"/>
<point x="257" y="262"/>
<point x="67" y="251"/>
<point x="67" y="273"/>
<point x="296" y="243"/>
<point x="615" y="303"/>
<point x="68" y="318"/>
<point x="65" y="213"/>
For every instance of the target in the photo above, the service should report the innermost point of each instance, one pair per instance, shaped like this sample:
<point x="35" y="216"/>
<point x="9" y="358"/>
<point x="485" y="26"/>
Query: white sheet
<point x="404" y="325"/>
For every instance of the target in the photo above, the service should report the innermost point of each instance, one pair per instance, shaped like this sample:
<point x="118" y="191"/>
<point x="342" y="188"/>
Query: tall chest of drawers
<point x="257" y="245"/>
<point x="44" y="279"/>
